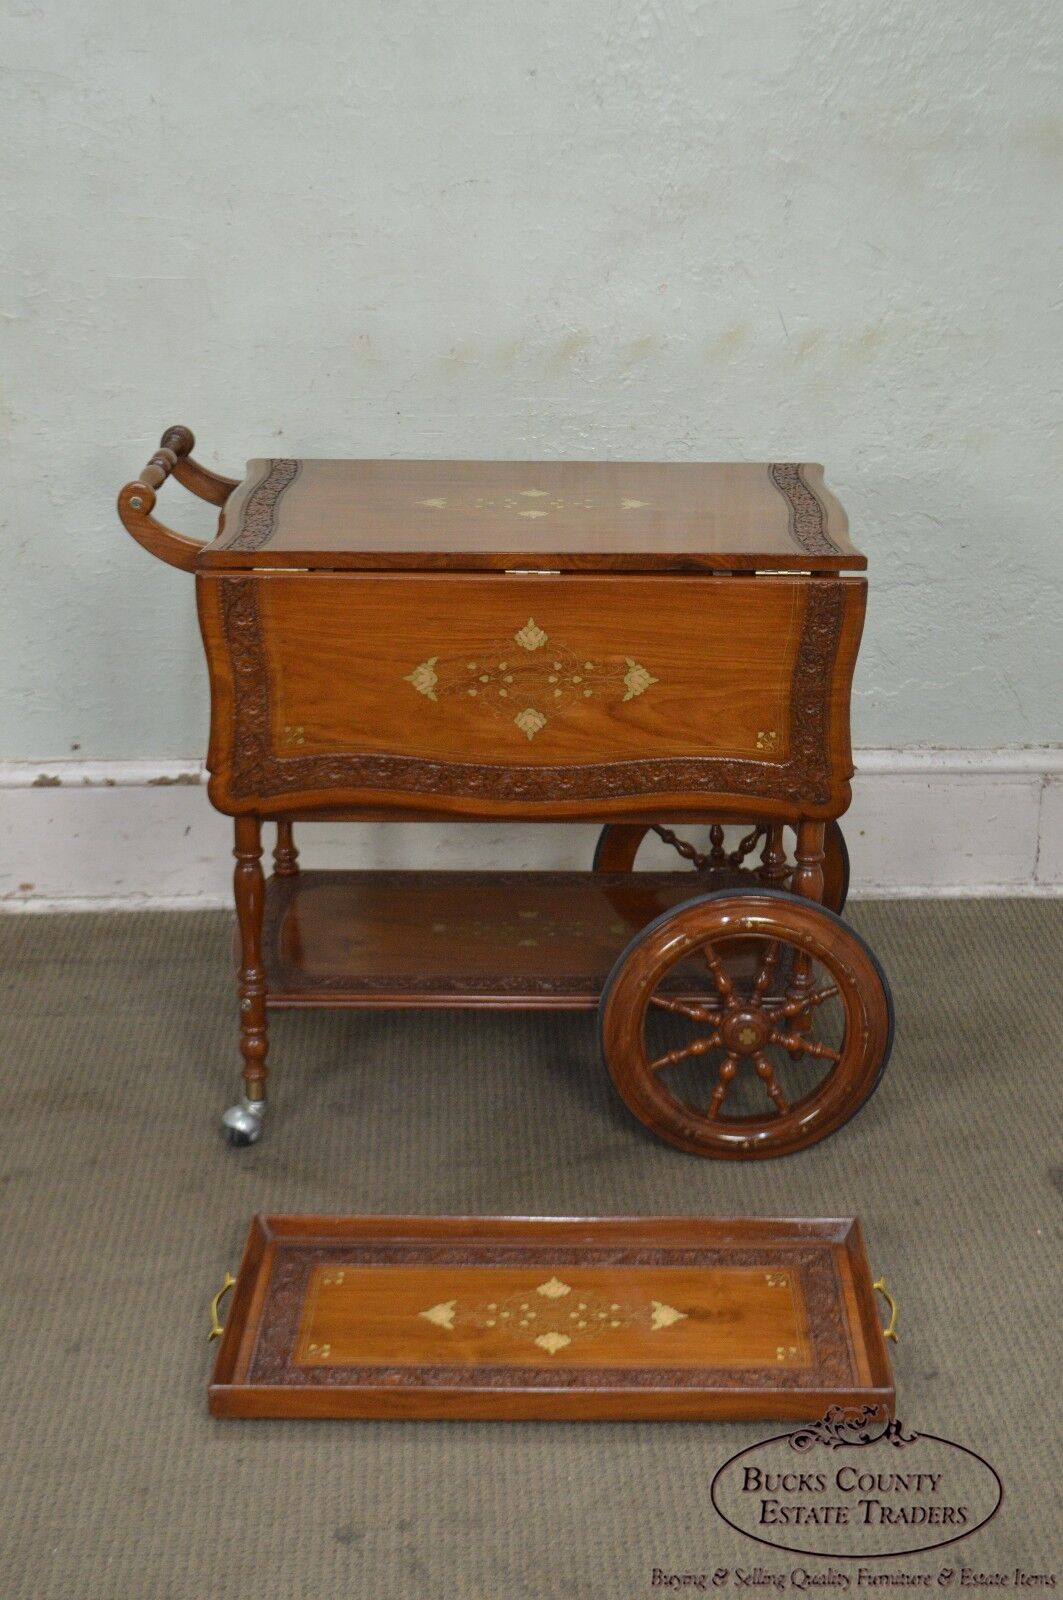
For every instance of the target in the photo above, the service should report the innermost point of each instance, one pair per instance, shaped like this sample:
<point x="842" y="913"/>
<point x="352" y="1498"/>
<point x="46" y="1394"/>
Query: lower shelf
<point x="455" y="938"/>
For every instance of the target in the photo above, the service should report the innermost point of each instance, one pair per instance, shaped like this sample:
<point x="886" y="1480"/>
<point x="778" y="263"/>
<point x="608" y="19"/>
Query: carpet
<point x="122" y="1210"/>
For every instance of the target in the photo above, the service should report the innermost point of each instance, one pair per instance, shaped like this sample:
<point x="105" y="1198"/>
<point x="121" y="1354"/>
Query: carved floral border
<point x="808" y="520"/>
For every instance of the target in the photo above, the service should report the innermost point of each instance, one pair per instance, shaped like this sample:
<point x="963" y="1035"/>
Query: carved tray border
<point x="256" y="769"/>
<point x="271" y="1359"/>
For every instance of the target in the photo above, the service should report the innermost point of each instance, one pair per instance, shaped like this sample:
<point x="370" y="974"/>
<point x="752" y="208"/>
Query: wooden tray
<point x="525" y="1317"/>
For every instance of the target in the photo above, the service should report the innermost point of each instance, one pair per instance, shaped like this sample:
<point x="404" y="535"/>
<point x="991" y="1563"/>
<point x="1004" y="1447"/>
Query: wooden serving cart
<point x="632" y="643"/>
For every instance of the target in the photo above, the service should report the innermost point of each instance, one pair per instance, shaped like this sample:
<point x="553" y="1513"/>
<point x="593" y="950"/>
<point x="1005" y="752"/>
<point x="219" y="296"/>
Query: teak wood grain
<point x="464" y="939"/>
<point x="523" y="696"/>
<point x="665" y="1318"/>
<point x="635" y="516"/>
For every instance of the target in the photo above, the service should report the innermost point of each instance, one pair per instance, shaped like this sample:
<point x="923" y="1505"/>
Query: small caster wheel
<point x="746" y="1025"/>
<point x="243" y="1123"/>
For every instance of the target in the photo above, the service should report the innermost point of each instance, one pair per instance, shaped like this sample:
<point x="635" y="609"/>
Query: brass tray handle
<point x="137" y="500"/>
<point x="890" y="1331"/>
<point x="218" y="1328"/>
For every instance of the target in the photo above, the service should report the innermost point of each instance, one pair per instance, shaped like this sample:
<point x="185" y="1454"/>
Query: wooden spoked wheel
<point x="618" y="845"/>
<point x="748" y="1057"/>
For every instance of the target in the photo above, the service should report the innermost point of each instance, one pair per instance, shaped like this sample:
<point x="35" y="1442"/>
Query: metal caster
<point x="243" y="1123"/>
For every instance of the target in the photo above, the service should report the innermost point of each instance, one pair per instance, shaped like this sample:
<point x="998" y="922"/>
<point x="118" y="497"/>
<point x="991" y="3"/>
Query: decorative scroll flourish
<point x="814" y="1270"/>
<point x="804" y="777"/>
<point x="260" y="513"/>
<point x="852" y="1425"/>
<point x="808" y="520"/>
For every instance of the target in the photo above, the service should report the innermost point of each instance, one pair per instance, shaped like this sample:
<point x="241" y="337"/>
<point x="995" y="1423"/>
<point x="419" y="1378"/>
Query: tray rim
<point x="228" y="1398"/>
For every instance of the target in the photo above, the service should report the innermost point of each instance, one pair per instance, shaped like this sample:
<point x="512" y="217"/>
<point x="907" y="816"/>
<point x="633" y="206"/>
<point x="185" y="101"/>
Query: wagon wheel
<point x="748" y="1059"/>
<point x="618" y="845"/>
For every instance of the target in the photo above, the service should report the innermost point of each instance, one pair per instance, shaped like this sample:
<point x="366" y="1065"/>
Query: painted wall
<point x="818" y="229"/>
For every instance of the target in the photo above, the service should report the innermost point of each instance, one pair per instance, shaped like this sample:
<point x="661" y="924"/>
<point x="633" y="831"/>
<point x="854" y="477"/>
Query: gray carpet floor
<point x="122" y="1209"/>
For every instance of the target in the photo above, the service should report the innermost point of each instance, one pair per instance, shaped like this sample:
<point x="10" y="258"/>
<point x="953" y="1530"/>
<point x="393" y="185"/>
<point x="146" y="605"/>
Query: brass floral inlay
<point x="532" y="504"/>
<point x="767" y="739"/>
<point x="530" y="721"/>
<point x="531" y="636"/>
<point x="535" y="680"/>
<point x="549" y="1318"/>
<point x="528" y="929"/>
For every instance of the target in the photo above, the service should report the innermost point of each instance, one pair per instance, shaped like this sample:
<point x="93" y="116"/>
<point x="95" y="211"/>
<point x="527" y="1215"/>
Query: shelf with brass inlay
<point x="457" y="938"/>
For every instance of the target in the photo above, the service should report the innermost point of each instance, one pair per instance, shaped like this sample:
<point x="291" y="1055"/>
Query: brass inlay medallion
<point x="536" y="681"/>
<point x="528" y="929"/>
<point x="553" y="1315"/>
<point x="532" y="504"/>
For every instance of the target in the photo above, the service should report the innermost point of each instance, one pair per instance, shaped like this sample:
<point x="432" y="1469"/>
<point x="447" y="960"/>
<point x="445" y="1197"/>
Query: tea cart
<point x="647" y="646"/>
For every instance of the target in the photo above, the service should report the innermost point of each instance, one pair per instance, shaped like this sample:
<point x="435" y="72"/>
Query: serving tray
<point x="526" y="1317"/>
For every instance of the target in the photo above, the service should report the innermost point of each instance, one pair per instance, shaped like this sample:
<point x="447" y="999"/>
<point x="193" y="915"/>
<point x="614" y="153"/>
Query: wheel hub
<point x="745" y="1031"/>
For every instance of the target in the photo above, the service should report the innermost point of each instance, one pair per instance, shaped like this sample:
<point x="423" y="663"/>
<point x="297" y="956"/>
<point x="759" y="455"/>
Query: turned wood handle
<point x="136" y="501"/>
<point x="175" y="443"/>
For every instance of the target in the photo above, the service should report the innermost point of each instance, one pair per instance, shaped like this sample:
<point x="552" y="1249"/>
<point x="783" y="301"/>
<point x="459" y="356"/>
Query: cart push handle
<point x="136" y="501"/>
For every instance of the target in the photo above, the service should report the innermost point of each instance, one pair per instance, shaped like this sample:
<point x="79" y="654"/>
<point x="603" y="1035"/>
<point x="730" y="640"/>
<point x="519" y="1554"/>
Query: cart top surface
<point x="616" y="516"/>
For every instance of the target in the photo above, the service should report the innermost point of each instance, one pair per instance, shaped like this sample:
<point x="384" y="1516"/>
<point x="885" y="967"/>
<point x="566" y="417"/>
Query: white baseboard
<point x="94" y="835"/>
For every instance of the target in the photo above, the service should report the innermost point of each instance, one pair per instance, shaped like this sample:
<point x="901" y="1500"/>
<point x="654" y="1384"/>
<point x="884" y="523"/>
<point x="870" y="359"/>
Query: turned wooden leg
<point x="249" y="887"/>
<point x="808" y="874"/>
<point x="774" y="868"/>
<point x="243" y="1123"/>
<point x="285" y="855"/>
<point x="808" y="881"/>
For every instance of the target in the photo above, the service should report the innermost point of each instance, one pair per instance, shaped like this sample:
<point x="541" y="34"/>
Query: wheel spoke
<point x="687" y="1008"/>
<point x="767" y="968"/>
<point x="791" y="1008"/>
<point x="766" y="1073"/>
<point x="697" y="1047"/>
<point x="681" y="846"/>
<point x="719" y="976"/>
<point x="728" y="1068"/>
<point x="746" y="846"/>
<point x="809" y="1047"/>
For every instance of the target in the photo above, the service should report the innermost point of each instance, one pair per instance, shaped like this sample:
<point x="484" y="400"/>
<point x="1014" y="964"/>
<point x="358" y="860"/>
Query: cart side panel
<point x="530" y="696"/>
